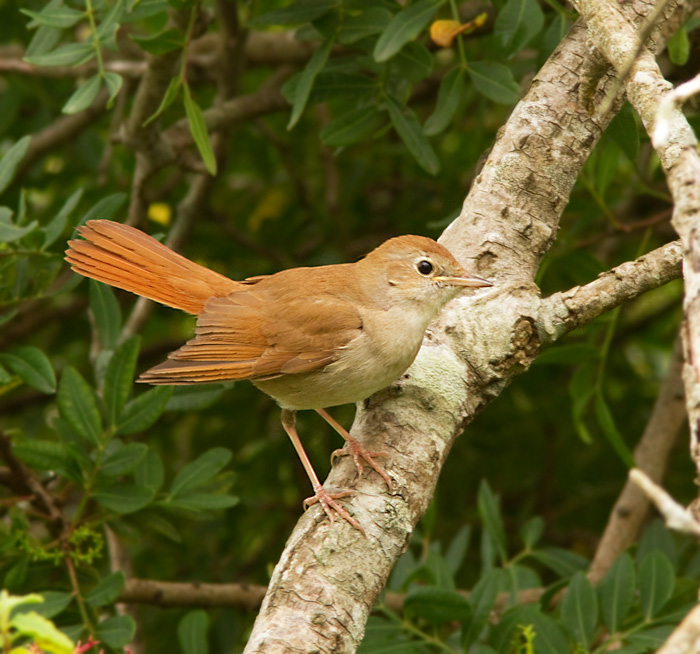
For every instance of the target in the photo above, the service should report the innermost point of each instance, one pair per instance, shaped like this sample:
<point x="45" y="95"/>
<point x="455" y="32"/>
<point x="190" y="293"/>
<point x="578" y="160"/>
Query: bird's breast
<point x="385" y="348"/>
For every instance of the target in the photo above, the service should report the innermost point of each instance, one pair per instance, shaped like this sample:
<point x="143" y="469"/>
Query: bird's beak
<point x="468" y="281"/>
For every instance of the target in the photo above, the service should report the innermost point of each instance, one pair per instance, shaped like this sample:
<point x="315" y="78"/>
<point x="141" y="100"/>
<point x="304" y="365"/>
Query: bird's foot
<point x="330" y="506"/>
<point x="359" y="454"/>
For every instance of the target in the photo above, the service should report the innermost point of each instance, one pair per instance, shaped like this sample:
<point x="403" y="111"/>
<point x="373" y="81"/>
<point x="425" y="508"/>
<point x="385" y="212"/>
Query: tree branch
<point x="562" y="312"/>
<point x="328" y="578"/>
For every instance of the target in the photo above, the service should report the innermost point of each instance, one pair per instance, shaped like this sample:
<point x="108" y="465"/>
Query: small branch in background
<point x="676" y="516"/>
<point x="651" y="456"/>
<point x="248" y="597"/>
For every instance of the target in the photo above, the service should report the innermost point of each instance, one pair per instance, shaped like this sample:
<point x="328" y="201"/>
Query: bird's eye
<point x="424" y="267"/>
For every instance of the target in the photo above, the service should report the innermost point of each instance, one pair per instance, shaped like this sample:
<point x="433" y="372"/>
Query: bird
<point x="309" y="337"/>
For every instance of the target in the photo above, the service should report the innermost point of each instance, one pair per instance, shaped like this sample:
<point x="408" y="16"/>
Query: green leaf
<point x="579" y="609"/>
<point x="54" y="16"/>
<point x="330" y="85"/>
<point x="54" y="603"/>
<point x="116" y="631"/>
<point x="490" y="511"/>
<point x="9" y="232"/>
<point x="109" y="25"/>
<point x="18" y="603"/>
<point x="549" y="636"/>
<point x="404" y="26"/>
<point x="199" y="471"/>
<point x="194" y="398"/>
<point x="70" y="54"/>
<point x="124" y="460"/>
<point x="123" y="498"/>
<point x="9" y="163"/>
<point x="204" y="501"/>
<point x="113" y="82"/>
<point x="108" y="208"/>
<point x="32" y="366"/>
<point x="16" y="575"/>
<point x="44" y="40"/>
<point x="156" y="522"/>
<point x="568" y="354"/>
<point x="679" y="47"/>
<point x="494" y="81"/>
<point x="300" y="12"/>
<point x="650" y="640"/>
<point x="531" y="531"/>
<point x="483" y="599"/>
<point x="371" y="21"/>
<point x="436" y="604"/>
<point x="192" y="632"/>
<point x="107" y="314"/>
<point x="616" y="592"/>
<point x="350" y="127"/>
<point x="169" y="97"/>
<point x="42" y="632"/>
<point x="198" y="128"/>
<point x="657" y="581"/>
<point x="408" y="128"/>
<point x="624" y="131"/>
<point x="119" y="378"/>
<point x="607" y="424"/>
<point x="160" y="44"/>
<point x="78" y="406"/>
<point x="553" y="36"/>
<point x="149" y="472"/>
<point x="141" y="412"/>
<point x="106" y="591"/>
<point x="657" y="537"/>
<point x="43" y="455"/>
<point x="448" y="101"/>
<point x="306" y="80"/>
<point x="564" y="562"/>
<point x="518" y="22"/>
<point x="83" y="96"/>
<point x="55" y="227"/>
<point x="413" y="63"/>
<point x="454" y="556"/>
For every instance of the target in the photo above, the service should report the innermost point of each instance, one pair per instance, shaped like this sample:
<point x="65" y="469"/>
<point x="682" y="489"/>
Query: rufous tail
<point x="125" y="257"/>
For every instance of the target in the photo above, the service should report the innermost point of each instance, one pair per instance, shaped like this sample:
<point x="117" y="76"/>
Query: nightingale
<point x="310" y="338"/>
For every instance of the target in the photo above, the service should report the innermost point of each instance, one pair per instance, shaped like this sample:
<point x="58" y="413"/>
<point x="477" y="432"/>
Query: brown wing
<point x="244" y="336"/>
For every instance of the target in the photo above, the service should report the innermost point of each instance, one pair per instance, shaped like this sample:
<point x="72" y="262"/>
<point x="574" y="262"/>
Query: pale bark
<point x="328" y="578"/>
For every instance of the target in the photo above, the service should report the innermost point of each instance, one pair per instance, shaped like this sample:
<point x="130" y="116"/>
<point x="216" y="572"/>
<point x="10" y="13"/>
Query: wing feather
<point x="244" y="336"/>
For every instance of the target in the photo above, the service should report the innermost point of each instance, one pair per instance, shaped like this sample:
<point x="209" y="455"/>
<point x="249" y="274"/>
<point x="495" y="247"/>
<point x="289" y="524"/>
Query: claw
<point x="329" y="505"/>
<point x="359" y="454"/>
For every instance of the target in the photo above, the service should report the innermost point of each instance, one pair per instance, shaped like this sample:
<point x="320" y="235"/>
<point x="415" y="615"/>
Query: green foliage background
<point x="382" y="136"/>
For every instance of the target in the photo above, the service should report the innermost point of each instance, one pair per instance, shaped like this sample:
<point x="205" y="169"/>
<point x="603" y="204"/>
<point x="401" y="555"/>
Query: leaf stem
<point x="95" y="37"/>
<point x="460" y="43"/>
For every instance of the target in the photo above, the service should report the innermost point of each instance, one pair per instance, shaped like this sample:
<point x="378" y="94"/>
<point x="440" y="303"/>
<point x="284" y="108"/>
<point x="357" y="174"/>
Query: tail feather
<point x="125" y="257"/>
<point x="174" y="372"/>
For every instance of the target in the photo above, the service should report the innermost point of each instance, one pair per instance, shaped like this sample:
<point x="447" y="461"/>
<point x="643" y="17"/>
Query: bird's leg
<point x="357" y="451"/>
<point x="321" y="495"/>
